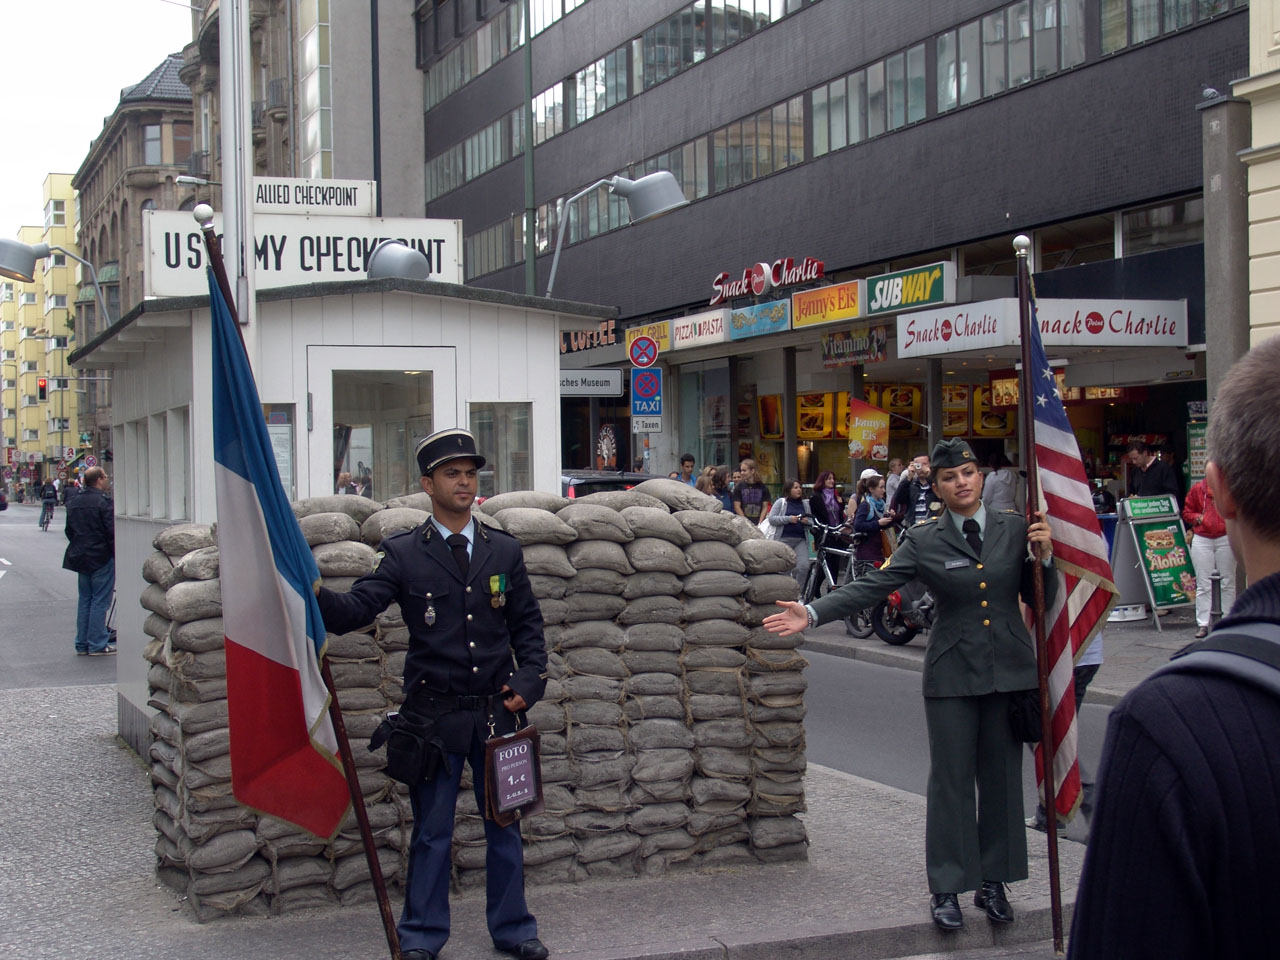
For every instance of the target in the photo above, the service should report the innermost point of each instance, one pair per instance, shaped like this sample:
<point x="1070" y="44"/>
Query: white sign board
<point x="699" y="329"/>
<point x="293" y="249"/>
<point x="646" y="424"/>
<point x="1063" y="323"/>
<point x="590" y="383"/>
<point x="334" y="198"/>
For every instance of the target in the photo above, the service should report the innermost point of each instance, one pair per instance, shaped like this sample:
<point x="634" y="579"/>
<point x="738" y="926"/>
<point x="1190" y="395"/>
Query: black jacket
<point x="1159" y="479"/>
<point x="818" y="506"/>
<point x="91" y="530"/>
<point x="470" y="647"/>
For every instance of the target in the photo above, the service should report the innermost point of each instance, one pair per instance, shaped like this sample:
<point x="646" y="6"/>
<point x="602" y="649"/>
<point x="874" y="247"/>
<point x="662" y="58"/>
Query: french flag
<point x="284" y="755"/>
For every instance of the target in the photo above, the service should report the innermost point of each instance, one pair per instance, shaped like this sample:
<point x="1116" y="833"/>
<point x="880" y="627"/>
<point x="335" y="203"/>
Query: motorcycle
<point x="903" y="614"/>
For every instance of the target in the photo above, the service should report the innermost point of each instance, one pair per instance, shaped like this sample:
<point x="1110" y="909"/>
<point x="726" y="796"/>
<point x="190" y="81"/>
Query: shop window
<point x="1163" y="225"/>
<point x="503" y="433"/>
<point x="704" y="412"/>
<point x="378" y="418"/>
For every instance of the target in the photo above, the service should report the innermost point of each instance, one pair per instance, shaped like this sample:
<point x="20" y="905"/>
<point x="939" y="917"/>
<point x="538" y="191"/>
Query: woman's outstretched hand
<point x="792" y="619"/>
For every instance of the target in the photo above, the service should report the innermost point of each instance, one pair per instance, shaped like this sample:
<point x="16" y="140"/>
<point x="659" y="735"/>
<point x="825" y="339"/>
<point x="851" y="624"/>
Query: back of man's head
<point x="93" y="475"/>
<point x="1244" y="437"/>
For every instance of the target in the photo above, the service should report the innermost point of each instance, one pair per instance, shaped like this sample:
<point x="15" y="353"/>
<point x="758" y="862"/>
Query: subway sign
<point x="909" y="289"/>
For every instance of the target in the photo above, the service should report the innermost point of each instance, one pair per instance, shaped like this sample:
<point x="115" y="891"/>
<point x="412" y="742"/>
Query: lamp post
<point x="649" y="197"/>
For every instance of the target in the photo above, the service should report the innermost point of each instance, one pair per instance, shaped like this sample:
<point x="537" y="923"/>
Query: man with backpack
<point x="1183" y="843"/>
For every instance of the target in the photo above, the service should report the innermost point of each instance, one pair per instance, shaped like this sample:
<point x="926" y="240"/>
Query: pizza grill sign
<point x="763" y="277"/>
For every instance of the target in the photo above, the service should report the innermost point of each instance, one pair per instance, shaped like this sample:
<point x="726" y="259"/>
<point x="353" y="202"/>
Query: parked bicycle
<point x="831" y="554"/>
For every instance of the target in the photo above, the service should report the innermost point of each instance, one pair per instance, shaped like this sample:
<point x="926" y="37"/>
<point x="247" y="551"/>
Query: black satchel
<point x="1024" y="715"/>
<point x="414" y="752"/>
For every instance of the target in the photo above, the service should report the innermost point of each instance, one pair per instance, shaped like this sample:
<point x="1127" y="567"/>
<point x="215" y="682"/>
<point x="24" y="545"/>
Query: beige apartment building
<point x="1262" y="90"/>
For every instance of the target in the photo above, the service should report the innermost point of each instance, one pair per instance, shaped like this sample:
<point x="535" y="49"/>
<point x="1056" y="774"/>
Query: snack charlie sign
<point x="291" y="249"/>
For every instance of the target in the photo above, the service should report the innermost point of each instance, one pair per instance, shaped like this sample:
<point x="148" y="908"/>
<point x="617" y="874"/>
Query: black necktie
<point x="973" y="534"/>
<point x="458" y="544"/>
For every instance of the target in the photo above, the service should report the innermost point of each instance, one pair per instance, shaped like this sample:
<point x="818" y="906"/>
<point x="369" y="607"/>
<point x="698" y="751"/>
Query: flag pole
<point x="203" y="214"/>
<point x="1026" y="392"/>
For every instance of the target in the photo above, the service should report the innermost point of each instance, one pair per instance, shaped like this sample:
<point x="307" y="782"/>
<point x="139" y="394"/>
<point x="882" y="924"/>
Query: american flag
<point x="1086" y="587"/>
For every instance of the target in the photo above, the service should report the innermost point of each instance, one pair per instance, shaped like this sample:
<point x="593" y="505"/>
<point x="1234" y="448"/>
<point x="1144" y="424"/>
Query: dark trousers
<point x="424" y="924"/>
<point x="968" y="841"/>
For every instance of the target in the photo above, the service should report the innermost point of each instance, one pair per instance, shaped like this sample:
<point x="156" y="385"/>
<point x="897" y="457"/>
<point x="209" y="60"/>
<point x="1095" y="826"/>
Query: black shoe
<point x="417" y="955"/>
<point x="991" y="897"/>
<point x="528" y="950"/>
<point x="945" y="908"/>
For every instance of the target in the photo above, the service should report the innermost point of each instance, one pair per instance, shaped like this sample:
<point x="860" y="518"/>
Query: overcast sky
<point x="63" y="65"/>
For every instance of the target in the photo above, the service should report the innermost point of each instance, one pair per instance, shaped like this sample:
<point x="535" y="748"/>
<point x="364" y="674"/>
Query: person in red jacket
<point x="1209" y="550"/>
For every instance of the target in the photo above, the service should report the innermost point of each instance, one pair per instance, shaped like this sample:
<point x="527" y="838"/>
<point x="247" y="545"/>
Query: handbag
<point x="887" y="543"/>
<point x="768" y="529"/>
<point x="1024" y="715"/>
<point x="414" y="752"/>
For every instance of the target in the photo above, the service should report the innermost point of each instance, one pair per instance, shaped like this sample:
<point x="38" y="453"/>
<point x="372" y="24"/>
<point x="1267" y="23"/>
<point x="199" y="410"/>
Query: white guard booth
<point x="351" y="375"/>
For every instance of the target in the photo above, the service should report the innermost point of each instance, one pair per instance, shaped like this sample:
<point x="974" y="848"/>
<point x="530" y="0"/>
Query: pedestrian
<point x="1149" y="476"/>
<point x="720" y="487"/>
<point x="1210" y="550"/>
<point x="915" y="499"/>
<point x="791" y="517"/>
<point x="750" y="495"/>
<point x="686" y="470"/>
<point x="476" y="660"/>
<point x="705" y="482"/>
<point x="91" y="553"/>
<point x="892" y="479"/>
<point x="871" y="519"/>
<point x="975" y="562"/>
<point x="345" y="486"/>
<point x="1000" y="489"/>
<point x="1183" y="846"/>
<point x="827" y="506"/>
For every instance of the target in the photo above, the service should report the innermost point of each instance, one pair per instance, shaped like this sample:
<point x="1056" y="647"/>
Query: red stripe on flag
<point x="274" y="765"/>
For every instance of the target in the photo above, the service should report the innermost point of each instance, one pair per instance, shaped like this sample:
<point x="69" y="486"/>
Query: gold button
<point x="472" y="644"/>
<point x="468" y="589"/>
<point x="428" y="596"/>
<point x="468" y="618"/>
<point x="979" y="566"/>
<point x="986" y="623"/>
<point x="984" y="603"/>
<point x="982" y="585"/>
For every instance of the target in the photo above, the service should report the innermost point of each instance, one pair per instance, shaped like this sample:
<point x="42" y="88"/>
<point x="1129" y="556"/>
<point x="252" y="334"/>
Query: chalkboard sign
<point x="513" y="776"/>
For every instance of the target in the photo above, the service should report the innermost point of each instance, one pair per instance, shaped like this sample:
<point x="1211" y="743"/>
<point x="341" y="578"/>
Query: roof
<point x="162" y="83"/>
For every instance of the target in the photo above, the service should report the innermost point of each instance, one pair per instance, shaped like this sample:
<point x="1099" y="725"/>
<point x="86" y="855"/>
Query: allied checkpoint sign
<point x="293" y="249"/>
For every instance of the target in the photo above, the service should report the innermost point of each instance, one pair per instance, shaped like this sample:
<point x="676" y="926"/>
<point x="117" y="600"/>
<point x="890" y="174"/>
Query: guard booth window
<point x="503" y="439"/>
<point x="378" y="418"/>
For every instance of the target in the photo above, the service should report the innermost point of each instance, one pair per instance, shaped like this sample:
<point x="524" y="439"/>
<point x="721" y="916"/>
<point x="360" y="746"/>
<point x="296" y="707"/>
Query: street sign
<point x="62" y="474"/>
<point x="591" y="383"/>
<point x="8" y="474"/>
<point x="643" y="351"/>
<point x="35" y="458"/>
<point x="91" y="461"/>
<point x="646" y="424"/>
<point x="69" y="453"/>
<point x="646" y="392"/>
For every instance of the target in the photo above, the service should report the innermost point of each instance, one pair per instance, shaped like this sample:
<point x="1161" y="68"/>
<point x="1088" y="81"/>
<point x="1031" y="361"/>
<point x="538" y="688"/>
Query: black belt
<point x="456" y="703"/>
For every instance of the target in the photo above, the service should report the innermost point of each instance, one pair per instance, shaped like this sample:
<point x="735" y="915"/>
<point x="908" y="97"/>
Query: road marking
<point x="5" y="562"/>
<point x="3" y="572"/>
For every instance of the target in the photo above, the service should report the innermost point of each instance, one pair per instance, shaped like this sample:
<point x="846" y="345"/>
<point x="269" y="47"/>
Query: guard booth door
<point x="369" y="407"/>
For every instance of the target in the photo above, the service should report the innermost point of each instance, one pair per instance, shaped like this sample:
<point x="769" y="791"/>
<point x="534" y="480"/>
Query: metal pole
<point x="1215" y="594"/>
<point x="1037" y="574"/>
<point x="530" y="211"/>
<point x="335" y="711"/>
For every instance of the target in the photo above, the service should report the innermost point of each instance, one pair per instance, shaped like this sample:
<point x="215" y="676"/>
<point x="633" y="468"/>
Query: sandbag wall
<point x="672" y="725"/>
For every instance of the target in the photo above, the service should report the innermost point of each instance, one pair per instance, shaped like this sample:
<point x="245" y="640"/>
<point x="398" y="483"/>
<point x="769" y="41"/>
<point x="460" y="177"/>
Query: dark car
<point x="579" y="483"/>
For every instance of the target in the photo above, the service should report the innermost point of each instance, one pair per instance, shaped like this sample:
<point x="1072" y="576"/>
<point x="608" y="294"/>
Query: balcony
<point x="198" y="163"/>
<point x="278" y="99"/>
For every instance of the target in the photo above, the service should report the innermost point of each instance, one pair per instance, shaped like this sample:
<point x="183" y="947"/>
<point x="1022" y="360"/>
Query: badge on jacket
<point x="429" y="618"/>
<point x="498" y="589"/>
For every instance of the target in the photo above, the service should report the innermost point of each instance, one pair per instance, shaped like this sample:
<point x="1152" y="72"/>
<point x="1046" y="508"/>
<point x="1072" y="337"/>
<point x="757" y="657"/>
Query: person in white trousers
<point x="1209" y="551"/>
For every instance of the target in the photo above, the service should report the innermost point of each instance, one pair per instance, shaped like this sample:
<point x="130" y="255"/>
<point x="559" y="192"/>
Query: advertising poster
<point x="760" y="319"/>
<point x="1166" y="562"/>
<point x="955" y="409"/>
<point x="1197" y="451"/>
<point x="814" y="415"/>
<point x="868" y="431"/>
<point x="840" y="301"/>
<point x="770" y="416"/>
<point x="902" y="400"/>
<point x="989" y="421"/>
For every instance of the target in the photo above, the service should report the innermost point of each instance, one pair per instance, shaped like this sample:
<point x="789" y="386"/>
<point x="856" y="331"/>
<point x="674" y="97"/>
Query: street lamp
<point x="391" y="258"/>
<point x="649" y="197"/>
<point x="18" y="262"/>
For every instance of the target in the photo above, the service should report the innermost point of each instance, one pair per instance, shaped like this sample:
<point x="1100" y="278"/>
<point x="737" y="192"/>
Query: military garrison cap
<point x="445" y="445"/>
<point x="951" y="453"/>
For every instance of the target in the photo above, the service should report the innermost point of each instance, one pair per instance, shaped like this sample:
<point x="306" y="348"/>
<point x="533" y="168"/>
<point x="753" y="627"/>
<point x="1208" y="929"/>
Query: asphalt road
<point x="868" y="720"/>
<point x="38" y="607"/>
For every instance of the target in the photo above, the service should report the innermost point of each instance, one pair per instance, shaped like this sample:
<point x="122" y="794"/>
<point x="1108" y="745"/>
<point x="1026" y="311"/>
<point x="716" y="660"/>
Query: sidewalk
<point x="1130" y="651"/>
<point x="77" y="875"/>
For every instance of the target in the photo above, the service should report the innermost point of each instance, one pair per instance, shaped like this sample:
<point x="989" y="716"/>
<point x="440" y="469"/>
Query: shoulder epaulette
<point x="920" y="523"/>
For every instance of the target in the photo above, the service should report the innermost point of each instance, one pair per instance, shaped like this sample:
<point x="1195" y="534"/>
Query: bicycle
<point x="820" y="581"/>
<point x="46" y="514"/>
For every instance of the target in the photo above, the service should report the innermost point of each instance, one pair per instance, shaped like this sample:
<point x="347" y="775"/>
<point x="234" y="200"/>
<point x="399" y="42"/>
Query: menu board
<point x="955" y="409"/>
<point x="814" y="416"/>
<point x="902" y="401"/>
<point x="770" y="406"/>
<point x="842" y="415"/>
<point x="1197" y="450"/>
<point x="989" y="422"/>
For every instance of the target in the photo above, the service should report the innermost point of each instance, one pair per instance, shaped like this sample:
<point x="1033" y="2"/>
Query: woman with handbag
<point x="789" y="522"/>
<point x="872" y="520"/>
<point x="979" y="661"/>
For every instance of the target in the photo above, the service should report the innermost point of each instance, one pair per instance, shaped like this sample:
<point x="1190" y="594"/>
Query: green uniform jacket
<point x="978" y="643"/>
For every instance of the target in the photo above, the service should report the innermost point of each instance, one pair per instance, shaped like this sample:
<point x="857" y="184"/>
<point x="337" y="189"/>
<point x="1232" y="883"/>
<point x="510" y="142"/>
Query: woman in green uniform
<point x="976" y="564"/>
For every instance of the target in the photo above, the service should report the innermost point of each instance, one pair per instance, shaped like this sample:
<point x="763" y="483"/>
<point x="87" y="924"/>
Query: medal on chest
<point x="429" y="618"/>
<point x="498" y="590"/>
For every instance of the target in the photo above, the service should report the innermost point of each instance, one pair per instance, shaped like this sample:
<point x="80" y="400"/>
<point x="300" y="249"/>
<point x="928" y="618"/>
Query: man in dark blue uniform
<point x="476" y="659"/>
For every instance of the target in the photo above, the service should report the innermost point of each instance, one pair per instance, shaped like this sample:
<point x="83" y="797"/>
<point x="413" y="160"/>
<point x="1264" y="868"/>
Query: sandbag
<point x="599" y="554"/>
<point x="181" y="538"/>
<point x="621" y="499"/>
<point x="767" y="556"/>
<point x="602" y="634"/>
<point x="660" y="735"/>
<point x="717" y="583"/>
<point x="713" y="555"/>
<point x="358" y="509"/>
<point x="716" y="633"/>
<point x="529" y="525"/>
<point x="200" y="564"/>
<point x="320" y="528"/>
<point x="526" y="499"/>
<point x="393" y="520"/>
<point x="653" y="685"/>
<point x="679" y="495"/>
<point x="596" y="522"/>
<point x="654" y="554"/>
<point x="194" y="600"/>
<point x="650" y="610"/>
<point x="711" y="526"/>
<point x="654" y="636"/>
<point x="547" y="559"/>
<point x="713" y="608"/>
<point x="595" y="580"/>
<point x="346" y="559"/>
<point x="547" y="588"/>
<point x="651" y="584"/>
<point x="656" y="522"/>
<point x="771" y="587"/>
<point x="592" y="606"/>
<point x="413" y="501"/>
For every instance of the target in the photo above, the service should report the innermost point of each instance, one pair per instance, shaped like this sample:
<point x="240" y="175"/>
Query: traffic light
<point x="42" y="389"/>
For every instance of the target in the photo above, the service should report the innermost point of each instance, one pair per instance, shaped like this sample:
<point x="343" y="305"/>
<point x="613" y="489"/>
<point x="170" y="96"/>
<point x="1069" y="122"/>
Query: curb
<point x="891" y="656"/>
